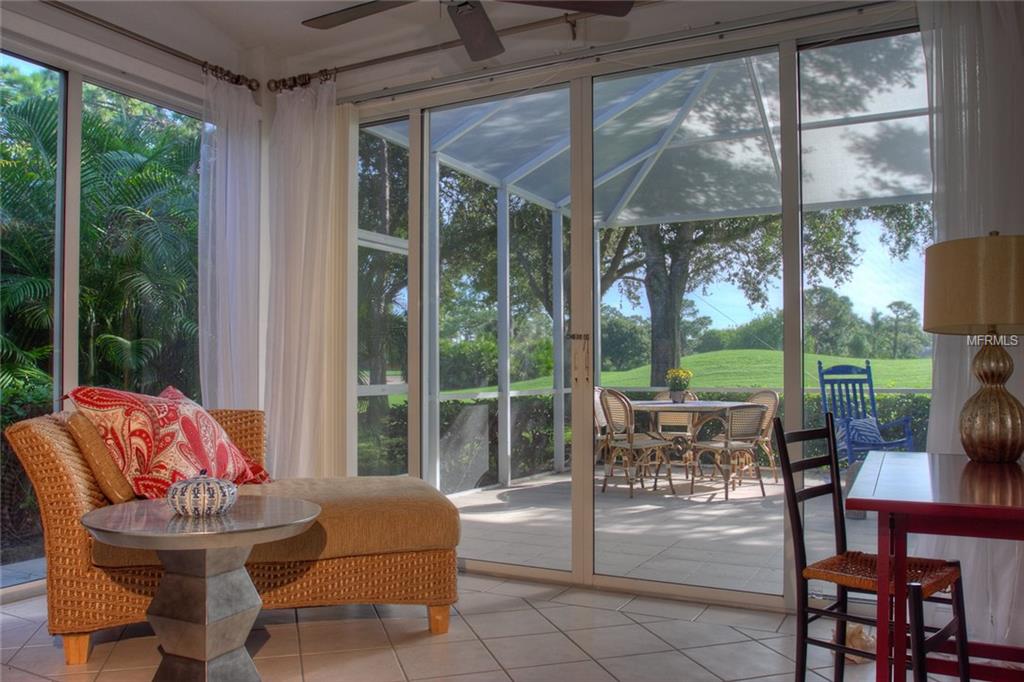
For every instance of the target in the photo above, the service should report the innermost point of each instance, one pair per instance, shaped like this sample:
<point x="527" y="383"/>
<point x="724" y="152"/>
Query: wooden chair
<point x="638" y="452"/>
<point x="848" y="392"/>
<point x="856" y="571"/>
<point x="738" y="447"/>
<point x="600" y="428"/>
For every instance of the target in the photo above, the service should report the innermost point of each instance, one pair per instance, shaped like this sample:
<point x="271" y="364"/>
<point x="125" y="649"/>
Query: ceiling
<point x="273" y="31"/>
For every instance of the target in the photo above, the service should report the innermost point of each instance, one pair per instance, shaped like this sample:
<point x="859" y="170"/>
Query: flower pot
<point x="677" y="396"/>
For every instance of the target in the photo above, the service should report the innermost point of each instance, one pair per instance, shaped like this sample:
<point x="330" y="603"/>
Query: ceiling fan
<point x="471" y="21"/>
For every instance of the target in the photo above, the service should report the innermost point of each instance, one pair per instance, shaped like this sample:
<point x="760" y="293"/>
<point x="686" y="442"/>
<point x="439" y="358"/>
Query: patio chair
<point x="638" y="452"/>
<point x="738" y="447"/>
<point x="848" y="392"/>
<point x="678" y="427"/>
<point x="770" y="400"/>
<point x="600" y="428"/>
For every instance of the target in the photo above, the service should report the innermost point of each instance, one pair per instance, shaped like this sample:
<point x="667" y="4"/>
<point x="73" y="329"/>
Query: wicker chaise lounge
<point x="377" y="541"/>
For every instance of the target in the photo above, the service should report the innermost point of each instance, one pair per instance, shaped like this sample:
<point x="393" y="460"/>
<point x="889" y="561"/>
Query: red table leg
<point x="883" y="645"/>
<point x="898" y="567"/>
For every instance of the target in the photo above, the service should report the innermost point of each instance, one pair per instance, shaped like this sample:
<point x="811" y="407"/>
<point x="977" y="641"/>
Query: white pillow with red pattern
<point x="157" y="441"/>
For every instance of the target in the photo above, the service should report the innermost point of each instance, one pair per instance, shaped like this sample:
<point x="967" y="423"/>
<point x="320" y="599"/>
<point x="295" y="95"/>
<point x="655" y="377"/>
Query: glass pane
<point x="383" y="435"/>
<point x="138" y="304"/>
<point x="384" y="179"/>
<point x="866" y="222"/>
<point x="689" y="241"/>
<point x="502" y="178"/>
<point x="31" y="111"/>
<point x="382" y="317"/>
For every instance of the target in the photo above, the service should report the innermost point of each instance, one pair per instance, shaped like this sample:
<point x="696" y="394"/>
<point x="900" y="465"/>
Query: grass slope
<point x="757" y="368"/>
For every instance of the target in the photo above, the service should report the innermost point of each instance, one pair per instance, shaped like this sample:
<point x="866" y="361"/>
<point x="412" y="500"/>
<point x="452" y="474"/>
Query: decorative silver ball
<point x="202" y="496"/>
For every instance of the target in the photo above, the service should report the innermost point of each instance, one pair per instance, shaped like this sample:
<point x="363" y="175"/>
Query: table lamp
<point x="975" y="287"/>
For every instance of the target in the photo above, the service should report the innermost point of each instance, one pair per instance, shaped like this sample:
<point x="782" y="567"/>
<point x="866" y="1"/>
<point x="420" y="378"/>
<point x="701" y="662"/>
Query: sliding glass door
<point x="687" y="234"/>
<point x="495" y="257"/>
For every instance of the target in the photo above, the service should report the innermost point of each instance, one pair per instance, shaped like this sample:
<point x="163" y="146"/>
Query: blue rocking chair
<point x="848" y="392"/>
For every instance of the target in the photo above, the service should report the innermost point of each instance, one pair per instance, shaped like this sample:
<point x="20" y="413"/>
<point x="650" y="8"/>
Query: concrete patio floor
<point x="700" y="539"/>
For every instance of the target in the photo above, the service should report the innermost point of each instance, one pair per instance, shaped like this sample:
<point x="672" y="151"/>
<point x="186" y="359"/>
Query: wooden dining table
<point x="941" y="494"/>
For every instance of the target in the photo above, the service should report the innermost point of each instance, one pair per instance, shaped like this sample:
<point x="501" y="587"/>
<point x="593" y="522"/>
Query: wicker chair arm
<point x="246" y="429"/>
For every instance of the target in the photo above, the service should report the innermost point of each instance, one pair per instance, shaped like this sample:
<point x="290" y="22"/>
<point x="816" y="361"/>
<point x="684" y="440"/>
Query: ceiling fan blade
<point x="611" y="8"/>
<point x="475" y="29"/>
<point x="344" y="16"/>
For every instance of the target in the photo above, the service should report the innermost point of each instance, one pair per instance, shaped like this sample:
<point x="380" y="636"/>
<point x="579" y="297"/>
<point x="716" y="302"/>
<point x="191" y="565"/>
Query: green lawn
<point x="755" y="368"/>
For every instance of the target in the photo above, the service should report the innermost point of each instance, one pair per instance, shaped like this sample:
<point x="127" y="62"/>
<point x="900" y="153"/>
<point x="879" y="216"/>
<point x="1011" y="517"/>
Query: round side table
<point x="206" y="603"/>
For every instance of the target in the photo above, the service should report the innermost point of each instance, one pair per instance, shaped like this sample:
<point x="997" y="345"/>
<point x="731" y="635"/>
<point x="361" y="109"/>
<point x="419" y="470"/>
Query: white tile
<point x="684" y="634"/>
<point x="533" y="650"/>
<point x="621" y="640"/>
<point x="581" y="617"/>
<point x="366" y="665"/>
<point x="490" y="676"/>
<point x="276" y="639"/>
<point x="667" y="608"/>
<point x="49" y="659"/>
<point x="749" y="618"/>
<point x="134" y="652"/>
<point x="15" y="632"/>
<point x="323" y="636"/>
<point x="657" y="667"/>
<point x="142" y="674"/>
<point x="508" y="624"/>
<point x="477" y="583"/>
<point x="528" y="590"/>
<point x="594" y="598"/>
<point x="453" y="658"/>
<point x="741" y="660"/>
<point x="484" y="602"/>
<point x="817" y="657"/>
<point x="415" y="631"/>
<point x="582" y="671"/>
<point x="10" y="674"/>
<point x="279" y="669"/>
<point x="33" y="608"/>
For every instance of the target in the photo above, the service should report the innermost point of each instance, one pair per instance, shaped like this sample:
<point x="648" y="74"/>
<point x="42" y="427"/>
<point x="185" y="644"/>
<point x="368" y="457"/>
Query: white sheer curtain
<point x="303" y="191"/>
<point x="229" y="247"/>
<point x="975" y="56"/>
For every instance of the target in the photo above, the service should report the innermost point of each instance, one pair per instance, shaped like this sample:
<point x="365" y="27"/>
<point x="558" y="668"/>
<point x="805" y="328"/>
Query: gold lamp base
<point x="992" y="420"/>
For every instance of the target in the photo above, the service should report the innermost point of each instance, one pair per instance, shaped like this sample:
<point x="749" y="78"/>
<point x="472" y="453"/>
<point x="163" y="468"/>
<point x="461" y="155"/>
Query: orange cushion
<point x="106" y="472"/>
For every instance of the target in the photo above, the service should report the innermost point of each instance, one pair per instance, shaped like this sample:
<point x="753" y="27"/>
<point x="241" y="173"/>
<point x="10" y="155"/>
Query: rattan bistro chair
<point x="770" y="400"/>
<point x="637" y="452"/>
<point x="738" y="447"/>
<point x="857" y="571"/>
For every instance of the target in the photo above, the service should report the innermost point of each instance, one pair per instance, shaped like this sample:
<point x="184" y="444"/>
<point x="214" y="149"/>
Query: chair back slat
<point x="618" y="411"/>
<point x="809" y="463"/>
<point x="795" y="497"/>
<point x="814" y="491"/>
<point x="847" y="391"/>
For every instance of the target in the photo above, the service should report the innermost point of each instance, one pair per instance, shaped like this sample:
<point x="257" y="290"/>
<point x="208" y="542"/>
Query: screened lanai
<point x="671" y="145"/>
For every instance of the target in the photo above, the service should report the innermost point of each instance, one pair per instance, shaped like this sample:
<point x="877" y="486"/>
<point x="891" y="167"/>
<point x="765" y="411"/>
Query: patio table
<point x="707" y="409"/>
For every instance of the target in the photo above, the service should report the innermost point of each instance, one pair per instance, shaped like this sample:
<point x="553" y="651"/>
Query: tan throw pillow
<point x="106" y="472"/>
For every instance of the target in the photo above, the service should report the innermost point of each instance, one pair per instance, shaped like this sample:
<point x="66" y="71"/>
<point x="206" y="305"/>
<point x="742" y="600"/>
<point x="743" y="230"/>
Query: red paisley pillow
<point x="157" y="441"/>
<point x="189" y="440"/>
<point x="125" y="423"/>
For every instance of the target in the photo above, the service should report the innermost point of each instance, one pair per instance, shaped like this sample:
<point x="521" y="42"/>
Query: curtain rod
<point x="304" y="79"/>
<point x="216" y="71"/>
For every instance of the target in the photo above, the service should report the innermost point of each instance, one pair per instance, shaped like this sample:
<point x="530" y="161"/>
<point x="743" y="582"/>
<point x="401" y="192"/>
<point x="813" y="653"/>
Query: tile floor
<point x="500" y="630"/>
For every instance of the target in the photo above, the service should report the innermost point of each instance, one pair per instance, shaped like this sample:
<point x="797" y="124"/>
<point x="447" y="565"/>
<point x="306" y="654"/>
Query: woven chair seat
<point x="859" y="570"/>
<point x="640" y="443"/>
<point x="724" y="445"/>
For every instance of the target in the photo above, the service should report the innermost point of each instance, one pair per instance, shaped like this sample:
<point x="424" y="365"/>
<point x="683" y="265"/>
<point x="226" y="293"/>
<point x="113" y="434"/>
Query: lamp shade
<point x="972" y="286"/>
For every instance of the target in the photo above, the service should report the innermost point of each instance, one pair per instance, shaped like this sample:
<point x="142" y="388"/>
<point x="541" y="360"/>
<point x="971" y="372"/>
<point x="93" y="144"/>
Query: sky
<point x="877" y="281"/>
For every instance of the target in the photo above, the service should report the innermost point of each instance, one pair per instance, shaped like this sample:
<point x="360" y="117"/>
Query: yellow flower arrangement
<point x="678" y="379"/>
